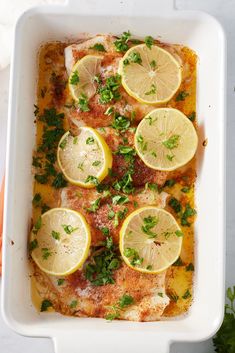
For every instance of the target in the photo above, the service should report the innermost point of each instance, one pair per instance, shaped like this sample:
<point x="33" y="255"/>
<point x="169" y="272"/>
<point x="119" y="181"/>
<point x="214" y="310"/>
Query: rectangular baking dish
<point x="159" y="18"/>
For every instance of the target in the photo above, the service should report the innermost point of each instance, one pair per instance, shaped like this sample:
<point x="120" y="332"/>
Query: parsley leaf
<point x="94" y="205"/>
<point x="83" y="103"/>
<point x="91" y="179"/>
<point x="153" y="90"/>
<point x="181" y="96"/>
<point x="59" y="181"/>
<point x="121" y="123"/>
<point x="175" y="204"/>
<point x="74" y="78"/>
<point x="134" y="255"/>
<point x="149" y="223"/>
<point x="45" y="305"/>
<point x="123" y="302"/>
<point x="98" y="47"/>
<point x="68" y="228"/>
<point x="172" y="142"/>
<point x="149" y="41"/>
<point x="121" y="43"/>
<point x="99" y="270"/>
<point x="110" y="90"/>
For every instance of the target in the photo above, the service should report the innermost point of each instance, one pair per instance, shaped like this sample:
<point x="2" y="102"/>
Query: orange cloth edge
<point x="1" y="219"/>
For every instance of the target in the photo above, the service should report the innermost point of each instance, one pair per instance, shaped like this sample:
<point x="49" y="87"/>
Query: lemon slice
<point x="151" y="76"/>
<point x="84" y="159"/>
<point x="60" y="241"/>
<point x="165" y="139"/>
<point x="150" y="240"/>
<point x="83" y="75"/>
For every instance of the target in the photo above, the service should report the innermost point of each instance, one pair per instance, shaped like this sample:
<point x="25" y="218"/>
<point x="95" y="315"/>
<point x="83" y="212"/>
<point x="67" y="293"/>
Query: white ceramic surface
<point x="205" y="110"/>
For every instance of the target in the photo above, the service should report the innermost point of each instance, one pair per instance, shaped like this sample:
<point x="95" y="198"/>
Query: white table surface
<point x="224" y="11"/>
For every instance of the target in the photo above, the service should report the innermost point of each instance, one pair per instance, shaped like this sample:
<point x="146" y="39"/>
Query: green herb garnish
<point x="172" y="142"/>
<point x="68" y="228"/>
<point x="149" y="41"/>
<point x="46" y="253"/>
<point x="83" y="103"/>
<point x="98" y="47"/>
<point x="152" y="90"/>
<point x="149" y="223"/>
<point x="181" y="96"/>
<point x="45" y="305"/>
<point x="121" y="43"/>
<point x="74" y="78"/>
<point x="59" y="181"/>
<point x="55" y="235"/>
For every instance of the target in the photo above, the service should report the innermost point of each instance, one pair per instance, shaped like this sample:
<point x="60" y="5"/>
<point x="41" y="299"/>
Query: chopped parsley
<point x="68" y="228"/>
<point x="59" y="181"/>
<point x="170" y="182"/>
<point x="125" y="301"/>
<point x="151" y="120"/>
<point x="91" y="179"/>
<point x="94" y="205"/>
<point x="105" y="231"/>
<point x="178" y="262"/>
<point x="90" y="141"/>
<point x="170" y="157"/>
<point x="134" y="256"/>
<point x="134" y="57"/>
<point x="181" y="96"/>
<point x="152" y="90"/>
<point x="41" y="178"/>
<point x="60" y="281"/>
<point x="52" y="118"/>
<point x="143" y="144"/>
<point x="187" y="294"/>
<point x="36" y="110"/>
<point x="189" y="267"/>
<point x="173" y="296"/>
<point x="120" y="199"/>
<point x="188" y="212"/>
<point x="46" y="253"/>
<point x="178" y="233"/>
<point x="121" y="44"/>
<point x="119" y="215"/>
<point x="149" y="223"/>
<point x="37" y="225"/>
<point x="55" y="235"/>
<point x="110" y="91"/>
<point x="149" y="41"/>
<point x="109" y="111"/>
<point x="36" y="162"/>
<point x="74" y="78"/>
<point x="153" y="64"/>
<point x="37" y="200"/>
<point x="172" y="142"/>
<point x="33" y="245"/>
<point x="192" y="116"/>
<point x="63" y="143"/>
<point x="45" y="305"/>
<point x="73" y="304"/>
<point x="99" y="270"/>
<point x="121" y="123"/>
<point x="83" y="103"/>
<point x="98" y="47"/>
<point x="175" y="204"/>
<point x="96" y="163"/>
<point x="185" y="189"/>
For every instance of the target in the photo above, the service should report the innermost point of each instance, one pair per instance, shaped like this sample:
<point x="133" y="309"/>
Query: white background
<point x="224" y="11"/>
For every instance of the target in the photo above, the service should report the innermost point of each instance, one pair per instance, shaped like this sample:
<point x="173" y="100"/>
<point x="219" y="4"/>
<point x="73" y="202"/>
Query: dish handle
<point x="129" y="7"/>
<point x="106" y="342"/>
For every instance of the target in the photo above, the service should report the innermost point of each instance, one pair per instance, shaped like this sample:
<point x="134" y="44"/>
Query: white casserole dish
<point x="203" y="34"/>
